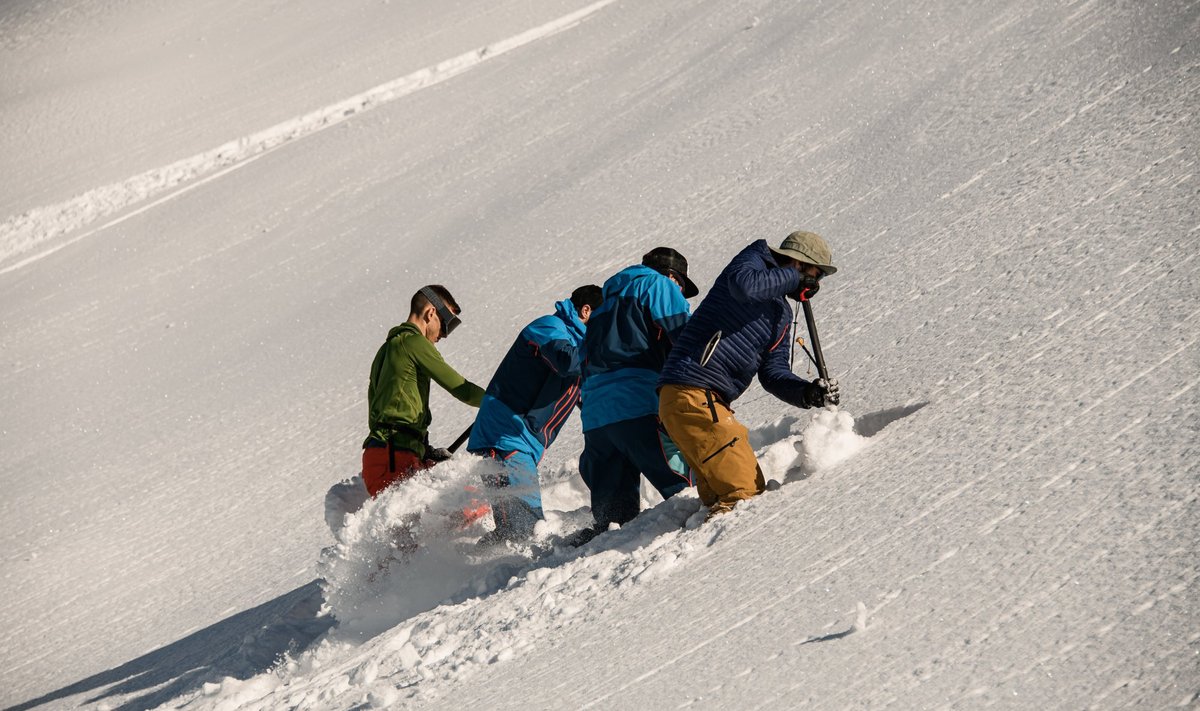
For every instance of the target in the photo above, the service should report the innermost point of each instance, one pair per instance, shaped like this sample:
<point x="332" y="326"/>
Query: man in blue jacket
<point x="527" y="402"/>
<point x="645" y="309"/>
<point x="740" y="329"/>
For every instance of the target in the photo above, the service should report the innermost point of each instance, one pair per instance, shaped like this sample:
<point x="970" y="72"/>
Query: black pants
<point x="614" y="459"/>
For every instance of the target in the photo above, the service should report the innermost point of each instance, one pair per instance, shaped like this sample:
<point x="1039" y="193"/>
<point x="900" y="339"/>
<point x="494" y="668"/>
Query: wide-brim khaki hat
<point x="807" y="247"/>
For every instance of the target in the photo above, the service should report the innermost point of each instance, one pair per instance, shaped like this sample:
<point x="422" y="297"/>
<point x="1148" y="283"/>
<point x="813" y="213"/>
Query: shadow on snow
<point x="240" y="646"/>
<point x="870" y="424"/>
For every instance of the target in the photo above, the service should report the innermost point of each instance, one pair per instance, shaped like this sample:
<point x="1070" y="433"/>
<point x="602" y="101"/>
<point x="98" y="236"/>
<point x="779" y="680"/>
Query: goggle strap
<point x="447" y="317"/>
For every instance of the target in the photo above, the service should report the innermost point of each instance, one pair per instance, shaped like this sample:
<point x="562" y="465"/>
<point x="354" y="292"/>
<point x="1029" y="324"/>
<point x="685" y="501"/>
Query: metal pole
<point x="816" y="341"/>
<point x="461" y="438"/>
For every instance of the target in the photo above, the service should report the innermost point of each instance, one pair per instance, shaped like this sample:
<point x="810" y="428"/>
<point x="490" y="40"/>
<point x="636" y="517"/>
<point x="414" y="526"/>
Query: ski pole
<point x="816" y="342"/>
<point x="461" y="438"/>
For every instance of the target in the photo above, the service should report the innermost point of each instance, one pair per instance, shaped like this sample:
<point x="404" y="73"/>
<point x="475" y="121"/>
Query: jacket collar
<point x="406" y="326"/>
<point x="566" y="311"/>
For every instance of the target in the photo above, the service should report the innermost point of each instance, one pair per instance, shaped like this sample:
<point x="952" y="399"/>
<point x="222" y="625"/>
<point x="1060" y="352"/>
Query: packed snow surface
<point x="211" y="213"/>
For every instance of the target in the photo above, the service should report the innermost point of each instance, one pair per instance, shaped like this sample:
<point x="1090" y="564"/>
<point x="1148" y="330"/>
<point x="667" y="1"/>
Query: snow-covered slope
<point x="1010" y="192"/>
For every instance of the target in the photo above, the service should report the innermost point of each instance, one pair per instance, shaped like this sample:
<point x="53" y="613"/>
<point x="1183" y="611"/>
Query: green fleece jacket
<point x="398" y="396"/>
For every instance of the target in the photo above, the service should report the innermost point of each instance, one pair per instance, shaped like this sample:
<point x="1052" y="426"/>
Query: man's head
<point x="802" y="250"/>
<point x="587" y="299"/>
<point x="672" y="265"/>
<point x="434" y="311"/>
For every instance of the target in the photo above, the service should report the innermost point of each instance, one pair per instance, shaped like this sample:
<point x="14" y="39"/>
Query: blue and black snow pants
<point x="615" y="457"/>
<point x="514" y="493"/>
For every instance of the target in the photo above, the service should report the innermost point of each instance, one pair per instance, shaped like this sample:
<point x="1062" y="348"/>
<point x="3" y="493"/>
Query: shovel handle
<point x="814" y="339"/>
<point x="461" y="438"/>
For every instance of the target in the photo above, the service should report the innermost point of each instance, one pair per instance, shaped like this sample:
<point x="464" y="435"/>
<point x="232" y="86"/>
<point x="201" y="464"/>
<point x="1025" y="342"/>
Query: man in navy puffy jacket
<point x="527" y="402"/>
<point x="740" y="330"/>
<point x="645" y="309"/>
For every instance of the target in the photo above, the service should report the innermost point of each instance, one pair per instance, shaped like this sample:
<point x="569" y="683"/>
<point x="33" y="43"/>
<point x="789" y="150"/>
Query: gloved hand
<point x="809" y="284"/>
<point x="437" y="454"/>
<point x="820" y="393"/>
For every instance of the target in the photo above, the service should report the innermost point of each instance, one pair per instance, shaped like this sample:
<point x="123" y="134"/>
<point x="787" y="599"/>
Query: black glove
<point x="809" y="285"/>
<point x="437" y="454"/>
<point x="820" y="393"/>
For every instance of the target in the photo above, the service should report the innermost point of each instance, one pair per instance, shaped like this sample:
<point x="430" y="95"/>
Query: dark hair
<point x="419" y="302"/>
<point x="590" y="295"/>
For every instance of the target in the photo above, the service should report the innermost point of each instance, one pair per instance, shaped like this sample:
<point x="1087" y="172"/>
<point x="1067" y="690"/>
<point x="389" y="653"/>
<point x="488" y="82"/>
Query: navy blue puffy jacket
<point x="747" y="304"/>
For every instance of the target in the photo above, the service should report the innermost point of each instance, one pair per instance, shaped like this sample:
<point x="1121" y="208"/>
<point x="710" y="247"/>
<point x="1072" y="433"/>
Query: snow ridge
<point x="21" y="233"/>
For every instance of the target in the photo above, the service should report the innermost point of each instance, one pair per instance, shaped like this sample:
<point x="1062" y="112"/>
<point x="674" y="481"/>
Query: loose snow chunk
<point x="235" y="693"/>
<point x="829" y="440"/>
<point x="344" y="498"/>
<point x="824" y="441"/>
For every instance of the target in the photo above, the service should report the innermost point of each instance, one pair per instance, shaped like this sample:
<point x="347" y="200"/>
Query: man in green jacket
<point x="398" y="396"/>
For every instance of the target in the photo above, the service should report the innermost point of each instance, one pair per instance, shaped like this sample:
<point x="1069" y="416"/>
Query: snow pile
<point x="822" y="442"/>
<point x="400" y="553"/>
<point x="828" y="440"/>
<point x="411" y="548"/>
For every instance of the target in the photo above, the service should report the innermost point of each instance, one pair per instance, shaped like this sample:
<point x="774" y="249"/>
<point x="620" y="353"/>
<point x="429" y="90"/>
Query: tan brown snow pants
<point x="715" y="446"/>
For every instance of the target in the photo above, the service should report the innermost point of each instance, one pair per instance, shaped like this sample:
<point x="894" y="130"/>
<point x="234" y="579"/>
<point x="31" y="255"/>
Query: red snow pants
<point x="384" y="466"/>
<point x="381" y="469"/>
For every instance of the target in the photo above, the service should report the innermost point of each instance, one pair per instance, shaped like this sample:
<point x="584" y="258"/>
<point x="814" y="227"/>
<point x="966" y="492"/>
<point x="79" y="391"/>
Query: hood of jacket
<point x="566" y="311"/>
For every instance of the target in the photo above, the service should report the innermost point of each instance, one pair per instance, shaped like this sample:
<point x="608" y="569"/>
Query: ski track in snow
<point x="22" y="233"/>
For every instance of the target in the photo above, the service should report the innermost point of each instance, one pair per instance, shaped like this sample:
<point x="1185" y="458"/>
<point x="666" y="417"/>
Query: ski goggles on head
<point x="449" y="319"/>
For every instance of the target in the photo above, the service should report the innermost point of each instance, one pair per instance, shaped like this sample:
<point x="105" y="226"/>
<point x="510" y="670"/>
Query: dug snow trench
<point x="426" y="602"/>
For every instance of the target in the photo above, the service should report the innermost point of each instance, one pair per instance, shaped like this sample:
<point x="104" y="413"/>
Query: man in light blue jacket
<point x="645" y="308"/>
<point x="527" y="402"/>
